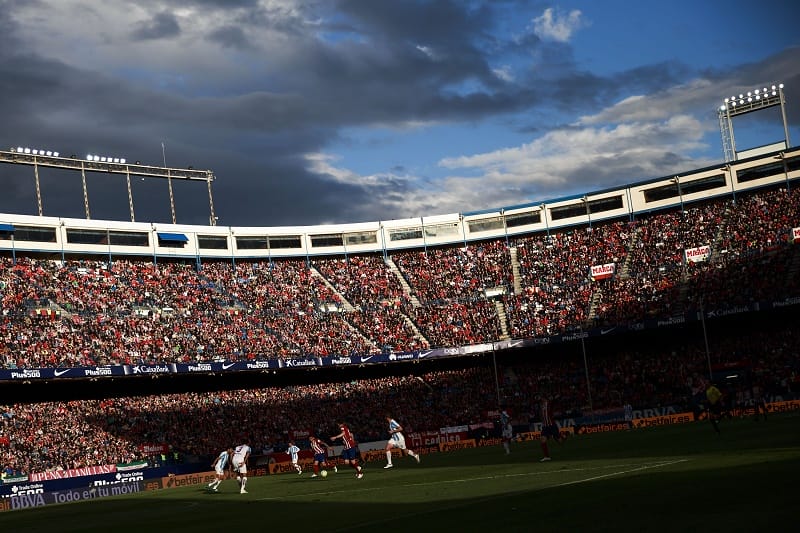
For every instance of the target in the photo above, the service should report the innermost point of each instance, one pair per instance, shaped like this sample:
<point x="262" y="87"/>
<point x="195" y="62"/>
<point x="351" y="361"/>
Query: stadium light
<point x="38" y="158"/>
<point x="757" y="99"/>
<point x="35" y="151"/>
<point x="753" y="100"/>
<point x="106" y="159"/>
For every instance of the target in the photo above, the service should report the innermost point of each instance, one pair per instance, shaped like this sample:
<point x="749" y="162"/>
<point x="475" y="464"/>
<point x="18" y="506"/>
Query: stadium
<point x="134" y="352"/>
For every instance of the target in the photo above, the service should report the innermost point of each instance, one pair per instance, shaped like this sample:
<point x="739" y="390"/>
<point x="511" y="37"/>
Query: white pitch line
<point x="643" y="466"/>
<point x="636" y="467"/>
<point x="621" y="472"/>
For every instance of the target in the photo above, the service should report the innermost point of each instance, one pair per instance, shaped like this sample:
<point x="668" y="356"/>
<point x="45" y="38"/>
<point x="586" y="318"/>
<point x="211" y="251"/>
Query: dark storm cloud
<point x="450" y="24"/>
<point x="231" y="37"/>
<point x="161" y="26"/>
<point x="384" y="63"/>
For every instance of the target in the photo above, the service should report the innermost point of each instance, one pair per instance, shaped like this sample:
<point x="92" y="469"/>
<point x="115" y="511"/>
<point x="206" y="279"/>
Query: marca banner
<point x="602" y="271"/>
<point x="795" y="234"/>
<point x="696" y="255"/>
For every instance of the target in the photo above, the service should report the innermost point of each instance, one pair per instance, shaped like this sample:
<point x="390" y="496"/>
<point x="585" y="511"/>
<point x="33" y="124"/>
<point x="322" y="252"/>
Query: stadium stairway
<point x="624" y="272"/>
<point x="347" y="306"/>
<point x="515" y="270"/>
<point x="417" y="333"/>
<point x="597" y="299"/>
<point x="501" y="314"/>
<point x="403" y="283"/>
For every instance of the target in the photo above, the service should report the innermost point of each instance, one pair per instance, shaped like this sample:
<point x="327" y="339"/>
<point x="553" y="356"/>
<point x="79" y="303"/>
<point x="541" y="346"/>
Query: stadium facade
<point x="65" y="237"/>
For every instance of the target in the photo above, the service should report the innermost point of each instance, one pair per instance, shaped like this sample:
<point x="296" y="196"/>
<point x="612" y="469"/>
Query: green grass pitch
<point x="672" y="478"/>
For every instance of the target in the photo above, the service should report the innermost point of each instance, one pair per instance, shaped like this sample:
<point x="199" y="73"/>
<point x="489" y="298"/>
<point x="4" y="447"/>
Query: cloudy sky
<point x="335" y="111"/>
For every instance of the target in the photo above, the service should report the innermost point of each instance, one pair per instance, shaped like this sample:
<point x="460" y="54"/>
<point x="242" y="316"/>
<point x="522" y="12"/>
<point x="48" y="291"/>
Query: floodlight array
<point x="106" y="159"/>
<point x="34" y="151"/>
<point x="761" y="97"/>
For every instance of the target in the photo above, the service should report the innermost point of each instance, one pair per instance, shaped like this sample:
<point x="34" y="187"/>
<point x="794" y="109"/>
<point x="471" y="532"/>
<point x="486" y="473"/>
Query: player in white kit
<point x="240" y="456"/>
<point x="219" y="464"/>
<point x="293" y="450"/>
<point x="396" y="440"/>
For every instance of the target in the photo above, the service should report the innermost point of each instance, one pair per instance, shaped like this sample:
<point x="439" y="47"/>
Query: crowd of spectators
<point x="753" y="253"/>
<point x="88" y="311"/>
<point x="59" y="435"/>
<point x="378" y="298"/>
<point x="654" y="272"/>
<point x="456" y="273"/>
<point x="555" y="277"/>
<point x="458" y="323"/>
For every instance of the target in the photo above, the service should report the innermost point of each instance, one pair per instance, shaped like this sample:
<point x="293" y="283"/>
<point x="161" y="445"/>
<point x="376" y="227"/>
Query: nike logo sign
<point x="59" y="373"/>
<point x="227" y="366"/>
<point x="425" y="354"/>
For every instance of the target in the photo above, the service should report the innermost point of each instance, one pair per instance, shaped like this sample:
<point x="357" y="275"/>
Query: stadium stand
<point x="81" y="310"/>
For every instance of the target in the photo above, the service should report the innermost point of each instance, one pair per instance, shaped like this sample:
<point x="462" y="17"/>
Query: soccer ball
<point x="324" y="473"/>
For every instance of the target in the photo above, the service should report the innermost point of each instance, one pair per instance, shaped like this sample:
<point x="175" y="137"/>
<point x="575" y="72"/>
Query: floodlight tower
<point x="39" y="158"/>
<point x="755" y="100"/>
